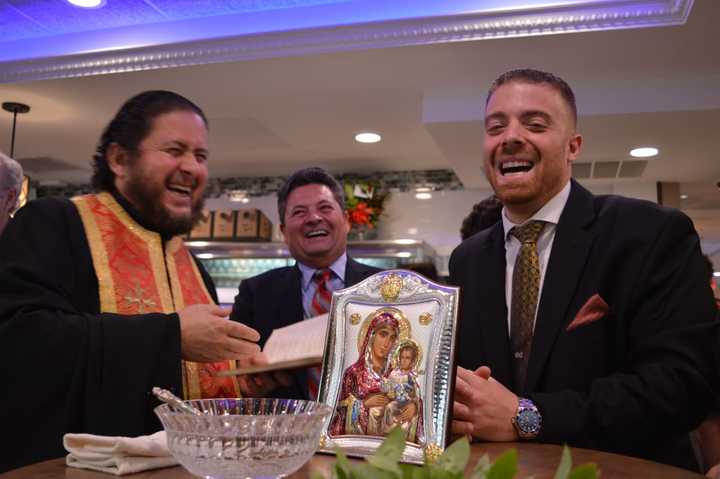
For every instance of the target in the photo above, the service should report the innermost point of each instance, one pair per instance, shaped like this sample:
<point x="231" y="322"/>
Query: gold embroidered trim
<point x="106" y="284"/>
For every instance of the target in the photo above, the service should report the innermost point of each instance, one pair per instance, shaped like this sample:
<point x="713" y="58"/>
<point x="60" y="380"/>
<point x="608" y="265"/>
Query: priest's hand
<point x="261" y="384"/>
<point x="206" y="335"/>
<point x="483" y="407"/>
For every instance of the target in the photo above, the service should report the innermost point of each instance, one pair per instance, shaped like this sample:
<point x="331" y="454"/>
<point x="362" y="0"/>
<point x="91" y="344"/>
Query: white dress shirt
<point x="550" y="214"/>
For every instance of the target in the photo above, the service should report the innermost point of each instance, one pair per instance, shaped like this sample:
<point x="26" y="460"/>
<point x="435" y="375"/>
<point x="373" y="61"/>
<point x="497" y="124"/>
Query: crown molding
<point x="568" y="17"/>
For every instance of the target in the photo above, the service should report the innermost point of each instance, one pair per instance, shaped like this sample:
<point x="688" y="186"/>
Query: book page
<point x="295" y="346"/>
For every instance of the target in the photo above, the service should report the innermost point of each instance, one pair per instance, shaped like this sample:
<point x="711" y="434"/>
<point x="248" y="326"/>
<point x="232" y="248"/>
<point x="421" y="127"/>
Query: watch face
<point x="528" y="421"/>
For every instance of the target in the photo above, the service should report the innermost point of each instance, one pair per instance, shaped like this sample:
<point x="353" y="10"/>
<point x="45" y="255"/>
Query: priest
<point x="99" y="298"/>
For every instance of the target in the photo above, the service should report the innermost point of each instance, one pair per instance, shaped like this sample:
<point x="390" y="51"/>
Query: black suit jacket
<point x="273" y="299"/>
<point x="634" y="381"/>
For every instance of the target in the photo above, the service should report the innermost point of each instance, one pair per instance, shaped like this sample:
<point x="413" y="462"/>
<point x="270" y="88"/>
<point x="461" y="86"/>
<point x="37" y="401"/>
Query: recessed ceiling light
<point x="644" y="152"/>
<point x="205" y="255"/>
<point x="197" y="244"/>
<point x="423" y="189"/>
<point x="423" y="196"/>
<point x="403" y="254"/>
<point x="367" y="137"/>
<point x="405" y="241"/>
<point x="87" y="3"/>
<point x="683" y="197"/>
<point x="716" y="274"/>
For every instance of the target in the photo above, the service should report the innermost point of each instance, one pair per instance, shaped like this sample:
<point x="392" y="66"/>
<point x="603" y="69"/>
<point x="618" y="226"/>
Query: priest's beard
<point x="146" y="198"/>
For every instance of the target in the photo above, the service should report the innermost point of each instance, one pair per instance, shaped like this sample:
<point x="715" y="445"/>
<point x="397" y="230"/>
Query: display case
<point x="230" y="262"/>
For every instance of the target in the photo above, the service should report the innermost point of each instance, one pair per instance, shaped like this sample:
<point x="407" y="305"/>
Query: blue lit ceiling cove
<point x="41" y="39"/>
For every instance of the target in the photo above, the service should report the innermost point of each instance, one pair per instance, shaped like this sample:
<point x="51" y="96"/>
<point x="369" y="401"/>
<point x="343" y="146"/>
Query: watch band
<point x="527" y="420"/>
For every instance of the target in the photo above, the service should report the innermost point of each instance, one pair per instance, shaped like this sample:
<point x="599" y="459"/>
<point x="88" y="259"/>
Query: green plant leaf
<point x="584" y="471"/>
<point x="316" y="475"/>
<point x="364" y="470"/>
<point x="342" y="464"/>
<point x="505" y="466"/>
<point x="481" y="468"/>
<point x="393" y="445"/>
<point x="565" y="465"/>
<point x="384" y="463"/>
<point x="455" y="458"/>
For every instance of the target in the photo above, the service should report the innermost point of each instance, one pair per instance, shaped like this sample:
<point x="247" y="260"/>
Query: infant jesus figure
<point x="402" y="388"/>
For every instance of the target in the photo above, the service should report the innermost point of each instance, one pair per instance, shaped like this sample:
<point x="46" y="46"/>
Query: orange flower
<point x="361" y="214"/>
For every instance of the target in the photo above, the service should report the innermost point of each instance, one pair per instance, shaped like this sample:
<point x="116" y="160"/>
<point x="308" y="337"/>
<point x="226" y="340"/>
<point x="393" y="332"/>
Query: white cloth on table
<point x="118" y="455"/>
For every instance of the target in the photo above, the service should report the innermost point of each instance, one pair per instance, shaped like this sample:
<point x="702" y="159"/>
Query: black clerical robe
<point x="65" y="367"/>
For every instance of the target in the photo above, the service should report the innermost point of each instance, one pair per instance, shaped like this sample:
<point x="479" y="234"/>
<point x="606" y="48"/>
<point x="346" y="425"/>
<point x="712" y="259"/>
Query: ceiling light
<point x="716" y="274"/>
<point x="683" y="197"/>
<point x="87" y="3"/>
<point x="423" y="196"/>
<point x="403" y="254"/>
<point x="644" y="152"/>
<point x="205" y="255"/>
<point x="405" y="241"/>
<point x="423" y="189"/>
<point x="367" y="137"/>
<point x="197" y="244"/>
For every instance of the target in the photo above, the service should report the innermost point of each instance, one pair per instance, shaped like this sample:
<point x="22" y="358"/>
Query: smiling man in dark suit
<point x="585" y="319"/>
<point x="315" y="225"/>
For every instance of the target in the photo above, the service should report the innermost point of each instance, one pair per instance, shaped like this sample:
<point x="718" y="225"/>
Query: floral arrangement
<point x="364" y="204"/>
<point x="451" y="464"/>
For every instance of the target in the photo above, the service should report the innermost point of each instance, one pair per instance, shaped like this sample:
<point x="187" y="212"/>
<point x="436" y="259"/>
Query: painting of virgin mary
<point x="363" y="396"/>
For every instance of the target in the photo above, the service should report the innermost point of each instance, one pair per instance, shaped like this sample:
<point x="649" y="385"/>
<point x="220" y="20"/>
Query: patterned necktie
<point x="525" y="286"/>
<point x="320" y="305"/>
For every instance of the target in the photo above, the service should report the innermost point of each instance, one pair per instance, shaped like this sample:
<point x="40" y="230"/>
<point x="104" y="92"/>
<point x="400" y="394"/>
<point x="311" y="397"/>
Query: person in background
<point x="426" y="269"/>
<point x="483" y="215"/>
<point x="713" y="279"/>
<point x="99" y="298"/>
<point x="11" y="177"/>
<point x="585" y="319"/>
<point x="315" y="226"/>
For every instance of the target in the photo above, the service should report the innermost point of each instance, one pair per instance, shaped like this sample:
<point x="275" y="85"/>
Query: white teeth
<point x="516" y="164"/>
<point x="313" y="234"/>
<point x="515" y="167"/>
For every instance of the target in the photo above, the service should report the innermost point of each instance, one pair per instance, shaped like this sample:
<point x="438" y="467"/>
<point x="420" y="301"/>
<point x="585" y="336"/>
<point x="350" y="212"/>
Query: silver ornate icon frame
<point x="409" y="293"/>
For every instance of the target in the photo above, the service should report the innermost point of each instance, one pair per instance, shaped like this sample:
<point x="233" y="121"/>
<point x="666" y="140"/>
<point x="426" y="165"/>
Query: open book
<point x="296" y="346"/>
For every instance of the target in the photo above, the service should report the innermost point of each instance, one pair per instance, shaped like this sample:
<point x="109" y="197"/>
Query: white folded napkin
<point x="118" y="455"/>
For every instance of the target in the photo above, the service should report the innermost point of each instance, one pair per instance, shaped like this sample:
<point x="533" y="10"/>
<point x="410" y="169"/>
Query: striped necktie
<point x="320" y="305"/>
<point x="525" y="289"/>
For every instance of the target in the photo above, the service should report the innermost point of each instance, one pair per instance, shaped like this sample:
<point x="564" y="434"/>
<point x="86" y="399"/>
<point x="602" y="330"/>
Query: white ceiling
<point x="650" y="86"/>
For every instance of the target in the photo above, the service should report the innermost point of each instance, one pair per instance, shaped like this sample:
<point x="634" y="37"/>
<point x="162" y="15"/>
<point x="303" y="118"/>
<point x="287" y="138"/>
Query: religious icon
<point x="385" y="368"/>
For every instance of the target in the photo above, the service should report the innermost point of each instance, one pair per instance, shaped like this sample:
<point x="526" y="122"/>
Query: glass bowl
<point x="244" y="438"/>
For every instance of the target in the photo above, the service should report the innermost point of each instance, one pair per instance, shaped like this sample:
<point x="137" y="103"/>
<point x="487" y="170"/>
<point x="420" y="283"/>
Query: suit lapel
<point x="488" y="320"/>
<point x="290" y="309"/>
<point x="355" y="272"/>
<point x="570" y="249"/>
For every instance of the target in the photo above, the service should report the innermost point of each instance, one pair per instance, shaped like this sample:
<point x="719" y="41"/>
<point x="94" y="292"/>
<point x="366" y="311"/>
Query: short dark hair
<point x="309" y="176"/>
<point x="528" y="75"/>
<point x="483" y="215"/>
<point x="131" y="124"/>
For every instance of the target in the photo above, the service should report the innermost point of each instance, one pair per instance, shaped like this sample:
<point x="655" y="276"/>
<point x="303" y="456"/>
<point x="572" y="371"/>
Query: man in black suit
<point x="315" y="225"/>
<point x="585" y="319"/>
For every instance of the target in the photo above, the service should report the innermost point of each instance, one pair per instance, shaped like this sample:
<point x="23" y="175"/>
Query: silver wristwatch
<point x="527" y="420"/>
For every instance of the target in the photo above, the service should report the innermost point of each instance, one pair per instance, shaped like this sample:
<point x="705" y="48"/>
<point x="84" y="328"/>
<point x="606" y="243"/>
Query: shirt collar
<point x="337" y="267"/>
<point x="549" y="213"/>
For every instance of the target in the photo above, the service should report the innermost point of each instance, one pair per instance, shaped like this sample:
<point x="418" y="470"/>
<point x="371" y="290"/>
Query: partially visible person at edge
<point x="99" y="298"/>
<point x="712" y="279"/>
<point x="11" y="177"/>
<point x="585" y="319"/>
<point x="315" y="225"/>
<point x="484" y="214"/>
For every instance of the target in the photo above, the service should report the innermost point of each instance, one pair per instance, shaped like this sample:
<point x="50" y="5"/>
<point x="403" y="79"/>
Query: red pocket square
<point x="594" y="309"/>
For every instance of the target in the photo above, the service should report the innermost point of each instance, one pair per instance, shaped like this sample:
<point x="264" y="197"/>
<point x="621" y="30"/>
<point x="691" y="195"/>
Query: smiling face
<point x="167" y="177"/>
<point x="383" y="342"/>
<point x="529" y="144"/>
<point x="315" y="226"/>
